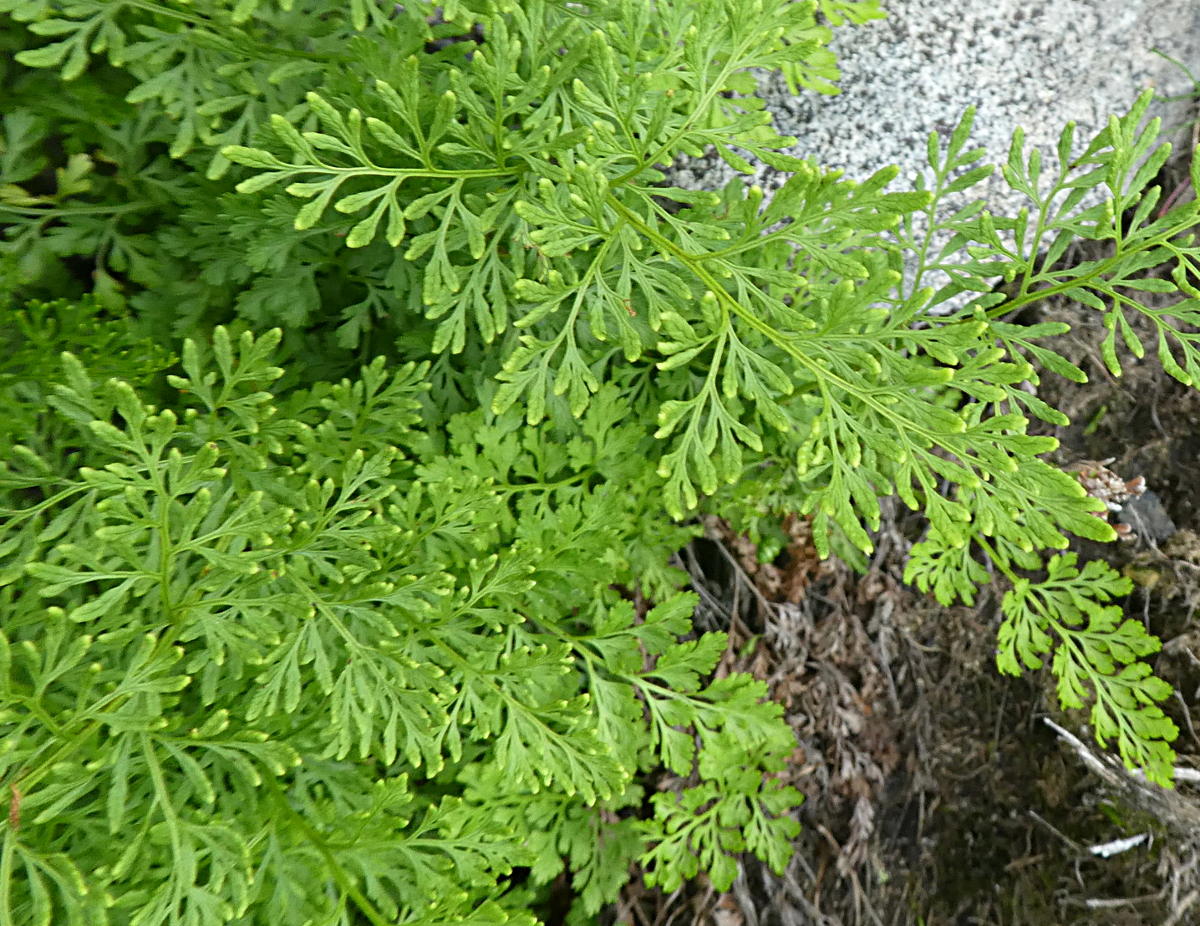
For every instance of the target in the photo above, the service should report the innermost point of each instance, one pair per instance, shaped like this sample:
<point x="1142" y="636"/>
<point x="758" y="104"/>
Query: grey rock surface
<point x="1147" y="518"/>
<point x="1027" y="63"/>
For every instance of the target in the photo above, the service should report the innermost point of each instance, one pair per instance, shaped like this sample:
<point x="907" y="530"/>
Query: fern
<point x="275" y="648"/>
<point x="1096" y="659"/>
<point x="329" y="622"/>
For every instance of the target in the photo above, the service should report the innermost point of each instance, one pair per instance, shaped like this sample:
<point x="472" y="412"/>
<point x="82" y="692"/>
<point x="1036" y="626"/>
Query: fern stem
<point x="347" y="885"/>
<point x="820" y="374"/>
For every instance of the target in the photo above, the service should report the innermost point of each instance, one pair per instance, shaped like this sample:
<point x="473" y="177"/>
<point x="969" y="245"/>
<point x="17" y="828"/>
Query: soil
<point x="938" y="792"/>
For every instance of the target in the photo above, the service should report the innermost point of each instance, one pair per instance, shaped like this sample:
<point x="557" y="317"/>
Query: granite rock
<point x="1020" y="63"/>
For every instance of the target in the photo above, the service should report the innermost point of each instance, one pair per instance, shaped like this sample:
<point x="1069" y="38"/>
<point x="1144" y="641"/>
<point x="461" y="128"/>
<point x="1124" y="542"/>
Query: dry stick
<point x="1110" y="773"/>
<point x="1177" y="914"/>
<point x="665" y="907"/>
<point x="1101" y="903"/>
<point x="1187" y="717"/>
<point x="1088" y="757"/>
<point x="1074" y="846"/>
<point x="743" y="576"/>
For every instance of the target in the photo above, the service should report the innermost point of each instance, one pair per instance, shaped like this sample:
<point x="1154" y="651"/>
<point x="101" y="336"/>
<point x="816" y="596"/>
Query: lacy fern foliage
<point x="250" y="640"/>
<point x="370" y="618"/>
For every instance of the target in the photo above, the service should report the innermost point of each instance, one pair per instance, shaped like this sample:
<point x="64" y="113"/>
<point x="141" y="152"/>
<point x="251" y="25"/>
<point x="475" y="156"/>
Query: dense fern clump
<point x="271" y="646"/>
<point x="364" y="363"/>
